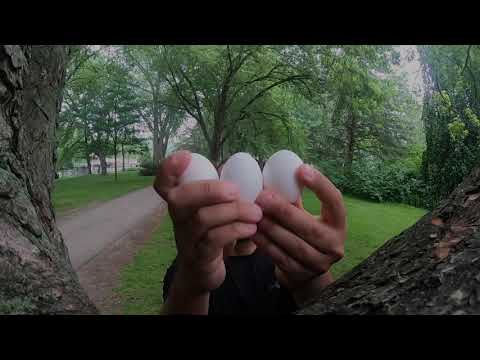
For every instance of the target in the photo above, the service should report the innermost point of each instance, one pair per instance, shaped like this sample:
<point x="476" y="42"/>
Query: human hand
<point x="302" y="246"/>
<point x="207" y="216"/>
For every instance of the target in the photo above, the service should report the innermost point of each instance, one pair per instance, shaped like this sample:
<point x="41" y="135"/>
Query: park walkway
<point x="88" y="231"/>
<point x="103" y="239"/>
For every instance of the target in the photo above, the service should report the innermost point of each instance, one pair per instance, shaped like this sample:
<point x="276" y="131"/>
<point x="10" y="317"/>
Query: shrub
<point x="381" y="181"/>
<point x="147" y="168"/>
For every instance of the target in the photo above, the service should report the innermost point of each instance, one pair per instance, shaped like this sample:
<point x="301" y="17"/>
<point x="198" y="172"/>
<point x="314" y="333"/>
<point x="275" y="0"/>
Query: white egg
<point x="200" y="168"/>
<point x="243" y="170"/>
<point x="279" y="174"/>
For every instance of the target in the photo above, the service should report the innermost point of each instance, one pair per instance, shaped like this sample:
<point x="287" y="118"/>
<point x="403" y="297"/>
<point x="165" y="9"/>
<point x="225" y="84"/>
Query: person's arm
<point x="207" y="216"/>
<point x="181" y="300"/>
<point x="312" y="289"/>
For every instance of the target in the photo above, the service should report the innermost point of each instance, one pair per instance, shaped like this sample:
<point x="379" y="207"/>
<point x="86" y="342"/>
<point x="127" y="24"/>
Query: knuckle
<point x="285" y="210"/>
<point x="238" y="229"/>
<point x="338" y="252"/>
<point x="287" y="263"/>
<point x="267" y="226"/>
<point x="211" y="237"/>
<point x="171" y="196"/>
<point x="207" y="188"/>
<point x="313" y="230"/>
<point x="201" y="216"/>
<point x="321" y="267"/>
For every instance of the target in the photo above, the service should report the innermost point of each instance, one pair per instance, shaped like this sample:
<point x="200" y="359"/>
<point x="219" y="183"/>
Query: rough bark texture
<point x="89" y="165"/>
<point x="36" y="275"/>
<point x="431" y="268"/>
<point x="103" y="164"/>
<point x="350" y="145"/>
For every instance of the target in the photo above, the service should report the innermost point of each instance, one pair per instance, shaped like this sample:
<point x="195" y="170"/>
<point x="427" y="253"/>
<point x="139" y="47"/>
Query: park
<point x="394" y="128"/>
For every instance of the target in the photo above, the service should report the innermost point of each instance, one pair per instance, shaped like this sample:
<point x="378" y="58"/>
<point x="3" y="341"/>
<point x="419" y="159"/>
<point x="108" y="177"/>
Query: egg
<point x="243" y="170"/>
<point x="200" y="168"/>
<point x="279" y="174"/>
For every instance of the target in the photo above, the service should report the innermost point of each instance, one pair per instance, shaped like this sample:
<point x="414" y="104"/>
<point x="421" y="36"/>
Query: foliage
<point x="148" y="168"/>
<point x="450" y="116"/>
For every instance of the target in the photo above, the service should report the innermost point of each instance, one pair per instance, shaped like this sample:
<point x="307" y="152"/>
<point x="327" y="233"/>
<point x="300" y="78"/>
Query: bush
<point x="381" y="181"/>
<point x="147" y="168"/>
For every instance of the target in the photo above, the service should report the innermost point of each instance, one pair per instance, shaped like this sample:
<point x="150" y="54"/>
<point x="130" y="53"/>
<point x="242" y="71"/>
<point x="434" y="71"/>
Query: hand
<point x="207" y="217"/>
<point x="303" y="247"/>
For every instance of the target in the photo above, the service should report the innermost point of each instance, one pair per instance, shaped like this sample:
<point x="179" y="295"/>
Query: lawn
<point x="369" y="226"/>
<point x="76" y="192"/>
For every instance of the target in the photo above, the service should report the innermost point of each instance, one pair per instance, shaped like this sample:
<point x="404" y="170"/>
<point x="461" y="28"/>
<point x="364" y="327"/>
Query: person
<point x="239" y="258"/>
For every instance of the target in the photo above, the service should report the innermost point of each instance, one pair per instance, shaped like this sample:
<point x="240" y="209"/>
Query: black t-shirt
<point x="250" y="288"/>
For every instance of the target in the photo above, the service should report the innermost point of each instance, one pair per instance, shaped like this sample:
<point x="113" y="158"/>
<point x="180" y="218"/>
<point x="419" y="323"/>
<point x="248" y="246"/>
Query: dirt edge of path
<point x="101" y="275"/>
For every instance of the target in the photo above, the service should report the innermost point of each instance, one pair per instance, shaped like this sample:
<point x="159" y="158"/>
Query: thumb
<point x="169" y="172"/>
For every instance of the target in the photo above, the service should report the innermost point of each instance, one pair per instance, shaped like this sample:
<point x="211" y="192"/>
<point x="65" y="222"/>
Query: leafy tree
<point x="157" y="106"/>
<point x="221" y="86"/>
<point x="450" y="116"/>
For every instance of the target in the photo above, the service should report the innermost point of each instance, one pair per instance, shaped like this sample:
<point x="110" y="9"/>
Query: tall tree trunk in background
<point x="115" y="139"/>
<point x="164" y="147"/>
<point x="103" y="164"/>
<point x="431" y="268"/>
<point x="350" y="145"/>
<point x="123" y="158"/>
<point x="89" y="165"/>
<point x="157" y="149"/>
<point x="36" y="274"/>
<point x="87" y="152"/>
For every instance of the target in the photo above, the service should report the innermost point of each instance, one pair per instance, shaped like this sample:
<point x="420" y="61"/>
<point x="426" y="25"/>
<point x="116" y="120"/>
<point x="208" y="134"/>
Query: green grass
<point x="369" y="226"/>
<point x="142" y="280"/>
<point x="77" y="192"/>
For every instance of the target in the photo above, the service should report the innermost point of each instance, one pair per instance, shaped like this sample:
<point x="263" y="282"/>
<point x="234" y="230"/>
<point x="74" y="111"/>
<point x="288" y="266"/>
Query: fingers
<point x="222" y="214"/>
<point x="304" y="253"/>
<point x="170" y="171"/>
<point x="329" y="195"/>
<point x="211" y="246"/>
<point x="298" y="221"/>
<point x="202" y="193"/>
<point x="279" y="256"/>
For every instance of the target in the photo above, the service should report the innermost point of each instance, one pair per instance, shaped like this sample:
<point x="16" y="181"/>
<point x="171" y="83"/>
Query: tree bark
<point x="89" y="164"/>
<point x="103" y="164"/>
<point x="350" y="145"/>
<point x="115" y="138"/>
<point x="431" y="268"/>
<point x="36" y="274"/>
<point x="157" y="148"/>
<point x="87" y="152"/>
<point x="123" y="158"/>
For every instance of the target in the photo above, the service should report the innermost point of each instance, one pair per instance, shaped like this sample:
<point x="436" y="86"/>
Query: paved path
<point x="88" y="231"/>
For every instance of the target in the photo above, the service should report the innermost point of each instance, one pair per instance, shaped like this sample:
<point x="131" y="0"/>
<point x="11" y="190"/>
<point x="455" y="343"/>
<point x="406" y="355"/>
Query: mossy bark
<point x="36" y="275"/>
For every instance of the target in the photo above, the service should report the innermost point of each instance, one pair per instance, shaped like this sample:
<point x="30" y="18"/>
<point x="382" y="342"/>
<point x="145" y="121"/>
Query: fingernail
<point x="265" y="196"/>
<point x="250" y="229"/>
<point x="308" y="173"/>
<point x="232" y="191"/>
<point x="257" y="213"/>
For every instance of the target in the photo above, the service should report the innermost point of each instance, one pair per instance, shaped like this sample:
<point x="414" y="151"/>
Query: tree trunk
<point x="89" y="164"/>
<point x="103" y="164"/>
<point x="123" y="158"/>
<point x="431" y="268"/>
<point x="87" y="152"/>
<point x="157" y="148"/>
<point x="350" y="145"/>
<point x="36" y="274"/>
<point x="115" y="154"/>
